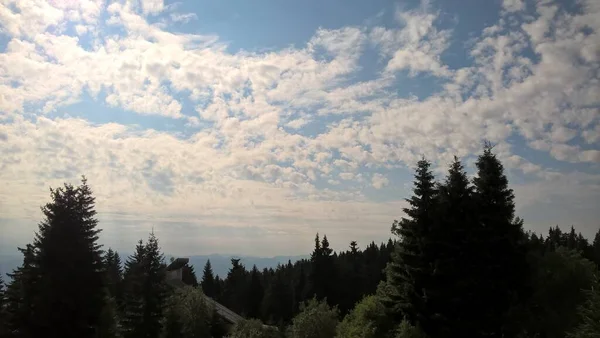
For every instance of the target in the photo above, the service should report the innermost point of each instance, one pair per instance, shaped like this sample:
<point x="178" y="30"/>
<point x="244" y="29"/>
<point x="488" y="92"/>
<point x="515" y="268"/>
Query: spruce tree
<point x="596" y="248"/>
<point x="454" y="274"/>
<point x="69" y="261"/>
<point x="323" y="272"/>
<point x="188" y="275"/>
<point x="20" y="295"/>
<point x="155" y="288"/>
<point x="114" y="276"/>
<point x="145" y="291"/>
<point x="133" y="301"/>
<point x="501" y="249"/>
<point x="208" y="281"/>
<point x="408" y="271"/>
<point x="299" y="288"/>
<point x="255" y="293"/>
<point x="3" y="315"/>
<point x="278" y="302"/>
<point x="236" y="288"/>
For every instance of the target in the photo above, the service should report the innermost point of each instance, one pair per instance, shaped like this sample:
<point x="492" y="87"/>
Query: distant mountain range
<point x="220" y="263"/>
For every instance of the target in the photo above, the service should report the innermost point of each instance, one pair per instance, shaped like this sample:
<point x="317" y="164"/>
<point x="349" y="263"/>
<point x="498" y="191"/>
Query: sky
<point x="246" y="127"/>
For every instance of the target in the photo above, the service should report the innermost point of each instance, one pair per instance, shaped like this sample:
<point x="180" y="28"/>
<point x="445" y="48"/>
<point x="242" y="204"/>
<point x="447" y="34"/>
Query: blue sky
<point x="246" y="127"/>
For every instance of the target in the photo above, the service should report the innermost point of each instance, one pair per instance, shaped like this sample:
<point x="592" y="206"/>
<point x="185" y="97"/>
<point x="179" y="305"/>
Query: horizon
<point x="250" y="127"/>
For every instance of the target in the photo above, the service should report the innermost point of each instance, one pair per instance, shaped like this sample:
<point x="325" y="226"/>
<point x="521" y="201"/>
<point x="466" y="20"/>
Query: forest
<point x="458" y="264"/>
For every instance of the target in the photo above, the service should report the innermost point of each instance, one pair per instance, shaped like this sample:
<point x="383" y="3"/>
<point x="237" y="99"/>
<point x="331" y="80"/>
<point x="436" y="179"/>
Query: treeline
<point x="460" y="265"/>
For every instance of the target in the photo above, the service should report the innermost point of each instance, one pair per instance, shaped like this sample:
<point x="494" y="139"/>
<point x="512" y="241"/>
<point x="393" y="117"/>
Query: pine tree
<point x="255" y="293"/>
<point x="188" y="275"/>
<point x="596" y="248"/>
<point x="133" y="301"/>
<point x="277" y="306"/>
<point x="145" y="291"/>
<point x="589" y="315"/>
<point x="452" y="248"/>
<point x="20" y="295"/>
<point x="3" y="314"/>
<point x="236" y="288"/>
<point x="155" y="289"/>
<point x="299" y="293"/>
<point x="69" y="261"/>
<point x="208" y="281"/>
<point x="323" y="273"/>
<point x="114" y="276"/>
<point x="502" y="262"/>
<point x="409" y="268"/>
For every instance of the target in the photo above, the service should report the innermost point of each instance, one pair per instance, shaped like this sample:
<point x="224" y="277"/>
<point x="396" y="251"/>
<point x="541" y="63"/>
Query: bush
<point x="559" y="281"/>
<point x="188" y="315"/>
<point x="366" y="320"/>
<point x="406" y="330"/>
<point x="315" y="320"/>
<point x="253" y="328"/>
<point x="589" y="315"/>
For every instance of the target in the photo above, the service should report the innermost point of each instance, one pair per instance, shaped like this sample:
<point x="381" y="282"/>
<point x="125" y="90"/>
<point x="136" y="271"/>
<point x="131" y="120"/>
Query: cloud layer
<point x="287" y="142"/>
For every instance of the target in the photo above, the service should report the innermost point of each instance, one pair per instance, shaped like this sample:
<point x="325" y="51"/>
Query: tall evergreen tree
<point x="114" y="276"/>
<point x="502" y="252"/>
<point x="278" y="301"/>
<point x="255" y="293"/>
<point x="236" y="288"/>
<point x="69" y="261"/>
<point x="596" y="248"/>
<point x="208" y="281"/>
<point x="133" y="301"/>
<point x="20" y="296"/>
<point x="145" y="291"/>
<point x="155" y="289"/>
<point x="3" y="314"/>
<point x="188" y="275"/>
<point x="409" y="268"/>
<point x="323" y="273"/>
<point x="452" y="249"/>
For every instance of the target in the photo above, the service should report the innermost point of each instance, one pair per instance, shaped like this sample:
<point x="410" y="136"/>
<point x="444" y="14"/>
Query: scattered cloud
<point x="379" y="181"/>
<point x="286" y="138"/>
<point x="183" y="17"/>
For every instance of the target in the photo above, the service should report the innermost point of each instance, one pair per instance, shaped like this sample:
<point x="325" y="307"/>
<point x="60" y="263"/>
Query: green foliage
<point x="366" y="320"/>
<point x="114" y="276"/>
<point x="108" y="326"/>
<point x="20" y="295"/>
<point x="3" y="314"/>
<point x="255" y="294"/>
<point x="277" y="305"/>
<point x="406" y="330"/>
<point x="187" y="314"/>
<point x="208" y="281"/>
<point x="253" y="328"/>
<point x="236" y="288"/>
<point x="323" y="276"/>
<point x="68" y="260"/>
<point x="145" y="291"/>
<point x="188" y="275"/>
<point x="559" y="279"/>
<point x="315" y="320"/>
<point x="589" y="315"/>
<point x="409" y="268"/>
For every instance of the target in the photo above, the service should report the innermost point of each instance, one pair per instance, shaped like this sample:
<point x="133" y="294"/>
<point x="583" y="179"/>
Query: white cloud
<point x="183" y="17"/>
<point x="417" y="46"/>
<point x="513" y="5"/>
<point x="297" y="123"/>
<point x="379" y="181"/>
<point x="346" y="176"/>
<point x="152" y="6"/>
<point x="240" y="165"/>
